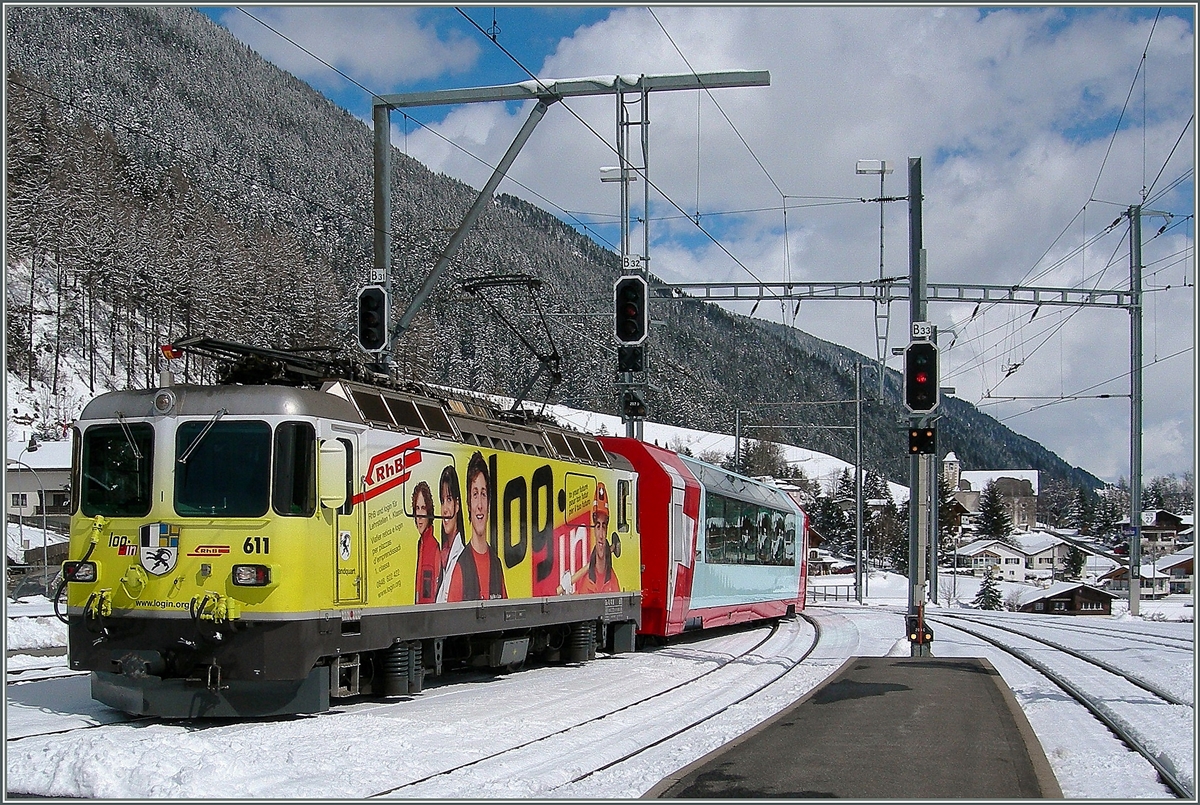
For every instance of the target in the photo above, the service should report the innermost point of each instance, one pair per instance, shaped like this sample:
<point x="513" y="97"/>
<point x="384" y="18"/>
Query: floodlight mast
<point x="545" y="92"/>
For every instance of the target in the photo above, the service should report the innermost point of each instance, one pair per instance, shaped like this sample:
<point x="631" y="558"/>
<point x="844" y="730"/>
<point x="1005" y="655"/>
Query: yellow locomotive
<point x="249" y="550"/>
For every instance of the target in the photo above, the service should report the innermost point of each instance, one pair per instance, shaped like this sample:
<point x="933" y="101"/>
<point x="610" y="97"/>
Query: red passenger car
<point x="718" y="548"/>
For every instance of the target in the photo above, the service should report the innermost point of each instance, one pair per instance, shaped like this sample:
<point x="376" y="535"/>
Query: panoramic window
<point x="115" y="470"/>
<point x="227" y="471"/>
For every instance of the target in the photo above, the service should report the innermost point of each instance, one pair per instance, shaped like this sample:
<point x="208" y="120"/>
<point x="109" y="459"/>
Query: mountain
<point x="164" y="180"/>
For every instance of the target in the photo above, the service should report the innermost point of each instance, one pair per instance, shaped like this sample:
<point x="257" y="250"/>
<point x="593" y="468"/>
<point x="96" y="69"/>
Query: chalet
<point x="37" y="481"/>
<point x="1160" y="532"/>
<point x="1046" y="556"/>
<point x="1178" y="567"/>
<point x="1154" y="583"/>
<point x="1067" y="598"/>
<point x="979" y="555"/>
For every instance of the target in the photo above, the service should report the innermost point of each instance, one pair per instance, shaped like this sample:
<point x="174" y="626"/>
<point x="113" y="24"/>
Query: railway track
<point x="571" y="755"/>
<point x="1114" y="697"/>
<point x="701" y="689"/>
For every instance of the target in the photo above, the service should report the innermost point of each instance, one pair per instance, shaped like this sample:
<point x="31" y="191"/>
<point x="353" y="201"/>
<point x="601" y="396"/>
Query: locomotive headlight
<point x="83" y="572"/>
<point x="164" y="401"/>
<point x="251" y="575"/>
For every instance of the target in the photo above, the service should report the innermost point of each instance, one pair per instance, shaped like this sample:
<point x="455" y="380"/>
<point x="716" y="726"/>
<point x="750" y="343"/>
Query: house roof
<point x="981" y="545"/>
<point x="1147" y="572"/>
<point x="1058" y="588"/>
<point x="48" y="456"/>
<point x="1175" y="559"/>
<point x="1034" y="542"/>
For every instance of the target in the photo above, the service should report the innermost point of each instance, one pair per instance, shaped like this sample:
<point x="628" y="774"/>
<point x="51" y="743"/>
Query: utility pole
<point x="920" y="466"/>
<point x="861" y="573"/>
<point x="1135" y="409"/>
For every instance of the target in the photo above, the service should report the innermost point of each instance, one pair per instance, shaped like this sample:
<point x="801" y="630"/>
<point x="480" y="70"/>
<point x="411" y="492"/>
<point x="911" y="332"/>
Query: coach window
<point x="222" y="468"/>
<point x="295" y="489"/>
<point x="714" y="528"/>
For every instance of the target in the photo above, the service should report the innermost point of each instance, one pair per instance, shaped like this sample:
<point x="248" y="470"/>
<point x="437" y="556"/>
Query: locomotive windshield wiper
<point x="196" y="442"/>
<point x="137" y="454"/>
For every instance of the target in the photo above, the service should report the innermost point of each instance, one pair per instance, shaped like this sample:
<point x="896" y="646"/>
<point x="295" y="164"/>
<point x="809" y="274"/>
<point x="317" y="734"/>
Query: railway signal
<point x="633" y="404"/>
<point x="630" y="315"/>
<point x="922" y="441"/>
<point x="372" y="318"/>
<point x="631" y="359"/>
<point x="918" y="630"/>
<point x="921" y="377"/>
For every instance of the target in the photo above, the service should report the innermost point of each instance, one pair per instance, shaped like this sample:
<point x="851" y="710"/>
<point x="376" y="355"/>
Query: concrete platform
<point x="883" y="728"/>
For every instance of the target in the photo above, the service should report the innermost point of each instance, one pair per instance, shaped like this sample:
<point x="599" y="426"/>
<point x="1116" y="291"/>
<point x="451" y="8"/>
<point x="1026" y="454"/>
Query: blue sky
<point x="1013" y="112"/>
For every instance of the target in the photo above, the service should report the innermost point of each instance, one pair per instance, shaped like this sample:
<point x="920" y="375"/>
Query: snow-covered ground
<point x="368" y="748"/>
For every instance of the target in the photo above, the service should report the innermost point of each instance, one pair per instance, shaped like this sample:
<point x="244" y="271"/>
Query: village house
<point x="1067" y="598"/>
<point x="37" y="481"/>
<point x="1179" y="569"/>
<point x="1160" y="532"/>
<point x="1154" y="583"/>
<point x="1008" y="562"/>
<point x="1046" y="556"/>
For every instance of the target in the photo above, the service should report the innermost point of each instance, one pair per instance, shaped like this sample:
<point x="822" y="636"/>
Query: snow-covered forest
<point x="164" y="180"/>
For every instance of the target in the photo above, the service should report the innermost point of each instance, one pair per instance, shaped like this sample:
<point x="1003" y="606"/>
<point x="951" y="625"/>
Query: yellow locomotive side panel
<point x="418" y="509"/>
<point x="448" y="522"/>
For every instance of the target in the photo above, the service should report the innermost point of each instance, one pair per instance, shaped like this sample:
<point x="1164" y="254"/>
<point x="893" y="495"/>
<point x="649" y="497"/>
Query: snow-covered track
<point x="1015" y="628"/>
<point x="1183" y="644"/>
<point x="556" y="760"/>
<point x="1109" y="695"/>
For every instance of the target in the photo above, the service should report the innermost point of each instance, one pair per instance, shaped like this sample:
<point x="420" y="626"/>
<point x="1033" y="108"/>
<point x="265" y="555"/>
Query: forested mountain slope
<point x="165" y="180"/>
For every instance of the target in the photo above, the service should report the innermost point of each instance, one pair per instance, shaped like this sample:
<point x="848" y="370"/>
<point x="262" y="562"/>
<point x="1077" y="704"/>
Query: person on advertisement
<point x="598" y="576"/>
<point x="429" y="556"/>
<point x="477" y="574"/>
<point x="452" y="529"/>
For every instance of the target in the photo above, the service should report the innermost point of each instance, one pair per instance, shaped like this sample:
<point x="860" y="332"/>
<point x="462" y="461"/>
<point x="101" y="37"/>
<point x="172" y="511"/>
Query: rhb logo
<point x="389" y="469"/>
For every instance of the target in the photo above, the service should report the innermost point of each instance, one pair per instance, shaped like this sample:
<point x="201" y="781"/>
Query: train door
<point x="676" y="538"/>
<point x="349" y="534"/>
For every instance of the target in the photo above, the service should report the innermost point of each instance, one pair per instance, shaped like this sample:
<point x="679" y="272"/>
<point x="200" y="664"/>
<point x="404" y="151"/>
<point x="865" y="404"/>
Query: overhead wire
<point x="374" y="95"/>
<point x="716" y="242"/>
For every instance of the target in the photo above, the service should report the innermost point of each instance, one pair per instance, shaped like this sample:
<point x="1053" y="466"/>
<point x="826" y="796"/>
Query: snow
<point x="374" y="746"/>
<point x="22" y="538"/>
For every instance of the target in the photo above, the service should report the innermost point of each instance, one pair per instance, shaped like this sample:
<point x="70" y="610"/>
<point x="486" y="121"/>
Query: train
<point x="270" y="543"/>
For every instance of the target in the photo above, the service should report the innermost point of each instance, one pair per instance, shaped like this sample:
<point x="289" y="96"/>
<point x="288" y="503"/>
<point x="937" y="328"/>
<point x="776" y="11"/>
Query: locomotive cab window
<point x="295" y="488"/>
<point x="115" y="470"/>
<point x="227" y="471"/>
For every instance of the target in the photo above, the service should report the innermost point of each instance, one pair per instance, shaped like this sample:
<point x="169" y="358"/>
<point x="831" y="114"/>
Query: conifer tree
<point x="988" y="596"/>
<point x="994" y="522"/>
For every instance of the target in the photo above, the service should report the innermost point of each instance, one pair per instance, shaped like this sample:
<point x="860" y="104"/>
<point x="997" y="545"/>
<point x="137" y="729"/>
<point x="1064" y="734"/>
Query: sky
<point x="1038" y="129"/>
<point x="61" y="743"/>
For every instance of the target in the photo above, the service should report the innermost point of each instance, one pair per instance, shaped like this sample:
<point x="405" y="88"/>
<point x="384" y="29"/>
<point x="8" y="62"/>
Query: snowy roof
<point x="1177" y="558"/>
<point x="48" y="456"/>
<point x="950" y="457"/>
<point x="979" y="478"/>
<point x="1147" y="572"/>
<point x="1058" y="588"/>
<point x="1034" y="542"/>
<point x="981" y="545"/>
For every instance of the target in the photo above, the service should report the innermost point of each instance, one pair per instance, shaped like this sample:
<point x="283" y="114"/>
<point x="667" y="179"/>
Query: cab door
<point x="349" y="535"/>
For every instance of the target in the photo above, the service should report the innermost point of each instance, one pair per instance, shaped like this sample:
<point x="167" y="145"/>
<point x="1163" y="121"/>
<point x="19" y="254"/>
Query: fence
<point x="839" y="591"/>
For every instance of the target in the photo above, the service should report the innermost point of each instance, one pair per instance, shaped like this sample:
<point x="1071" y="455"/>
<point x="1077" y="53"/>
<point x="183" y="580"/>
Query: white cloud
<point x="1012" y="113"/>
<point x="378" y="46"/>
